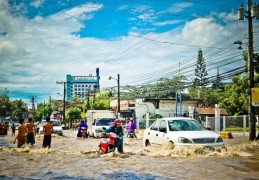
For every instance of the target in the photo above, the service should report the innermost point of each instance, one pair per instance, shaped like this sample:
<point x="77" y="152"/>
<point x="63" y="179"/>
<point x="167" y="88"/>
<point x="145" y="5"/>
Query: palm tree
<point x="20" y="109"/>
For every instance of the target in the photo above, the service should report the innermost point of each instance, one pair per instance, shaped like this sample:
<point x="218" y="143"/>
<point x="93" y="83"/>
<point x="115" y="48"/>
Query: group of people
<point x="27" y="132"/>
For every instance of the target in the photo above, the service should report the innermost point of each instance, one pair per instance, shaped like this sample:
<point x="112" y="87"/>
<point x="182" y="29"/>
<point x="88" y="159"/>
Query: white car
<point x="179" y="131"/>
<point x="56" y="127"/>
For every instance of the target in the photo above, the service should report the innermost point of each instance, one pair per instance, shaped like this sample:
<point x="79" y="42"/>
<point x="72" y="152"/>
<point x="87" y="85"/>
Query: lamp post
<point x="118" y="81"/>
<point x="252" y="12"/>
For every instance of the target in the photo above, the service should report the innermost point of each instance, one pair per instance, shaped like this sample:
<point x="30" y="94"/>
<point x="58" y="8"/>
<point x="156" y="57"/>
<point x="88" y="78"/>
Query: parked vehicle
<point x="93" y="115"/>
<point x="56" y="126"/>
<point x="99" y="124"/>
<point x="179" y="131"/>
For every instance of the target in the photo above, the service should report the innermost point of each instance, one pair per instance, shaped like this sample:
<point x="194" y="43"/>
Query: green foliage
<point x="200" y="71"/>
<point x="235" y="98"/>
<point x="101" y="101"/>
<point x="209" y="96"/>
<point x="153" y="116"/>
<point x="73" y="113"/>
<point x="75" y="99"/>
<point x="19" y="109"/>
<point x="5" y="104"/>
<point x="164" y="88"/>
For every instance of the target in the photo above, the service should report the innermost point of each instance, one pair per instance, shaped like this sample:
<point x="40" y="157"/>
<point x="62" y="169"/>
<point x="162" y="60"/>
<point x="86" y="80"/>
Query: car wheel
<point x="147" y="143"/>
<point x="170" y="145"/>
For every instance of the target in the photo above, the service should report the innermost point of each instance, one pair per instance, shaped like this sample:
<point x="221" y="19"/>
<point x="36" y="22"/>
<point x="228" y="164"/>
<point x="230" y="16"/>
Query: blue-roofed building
<point x="82" y="86"/>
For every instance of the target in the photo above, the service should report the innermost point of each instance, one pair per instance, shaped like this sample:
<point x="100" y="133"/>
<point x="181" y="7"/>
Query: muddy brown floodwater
<point x="75" y="158"/>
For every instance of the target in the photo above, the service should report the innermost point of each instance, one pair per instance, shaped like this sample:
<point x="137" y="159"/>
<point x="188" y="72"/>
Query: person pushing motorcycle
<point x="118" y="130"/>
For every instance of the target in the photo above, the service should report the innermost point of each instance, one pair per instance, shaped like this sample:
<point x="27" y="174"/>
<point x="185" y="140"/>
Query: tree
<point x="73" y="113"/>
<point x="5" y="104"/>
<point x="209" y="96"/>
<point x="20" y="109"/>
<point x="40" y="112"/>
<point x="217" y="83"/>
<point x="200" y="71"/>
<point x="163" y="88"/>
<point x="101" y="101"/>
<point x="235" y="98"/>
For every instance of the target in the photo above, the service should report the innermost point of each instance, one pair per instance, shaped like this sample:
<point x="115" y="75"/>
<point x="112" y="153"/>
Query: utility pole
<point x="119" y="107"/>
<point x="252" y="12"/>
<point x="64" y="98"/>
<point x="44" y="109"/>
<point x="50" y="110"/>
<point x="118" y="99"/>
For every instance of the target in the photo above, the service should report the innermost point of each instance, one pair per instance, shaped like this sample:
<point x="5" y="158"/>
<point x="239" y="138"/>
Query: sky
<point x="41" y="41"/>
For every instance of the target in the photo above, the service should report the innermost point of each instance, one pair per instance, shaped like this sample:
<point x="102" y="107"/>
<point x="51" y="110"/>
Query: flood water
<point x="75" y="158"/>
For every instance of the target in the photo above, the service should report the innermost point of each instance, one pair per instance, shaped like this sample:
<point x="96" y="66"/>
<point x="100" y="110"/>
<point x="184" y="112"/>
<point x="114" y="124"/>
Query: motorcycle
<point x="83" y="132"/>
<point x="107" y="143"/>
<point x="131" y="134"/>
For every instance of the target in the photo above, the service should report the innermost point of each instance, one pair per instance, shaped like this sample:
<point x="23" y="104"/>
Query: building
<point x="203" y="112"/>
<point x="82" y="86"/>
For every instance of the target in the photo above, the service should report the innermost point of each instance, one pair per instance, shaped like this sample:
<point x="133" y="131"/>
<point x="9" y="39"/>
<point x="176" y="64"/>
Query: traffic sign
<point x="255" y="96"/>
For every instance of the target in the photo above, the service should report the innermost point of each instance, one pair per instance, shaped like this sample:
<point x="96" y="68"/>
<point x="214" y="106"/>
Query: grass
<point x="234" y="128"/>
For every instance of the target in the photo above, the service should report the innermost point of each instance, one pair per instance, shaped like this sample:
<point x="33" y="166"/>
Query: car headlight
<point x="98" y="130"/>
<point x="219" y="140"/>
<point x="184" y="140"/>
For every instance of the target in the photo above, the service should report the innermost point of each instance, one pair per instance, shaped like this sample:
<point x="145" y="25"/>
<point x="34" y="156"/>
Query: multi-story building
<point x="82" y="86"/>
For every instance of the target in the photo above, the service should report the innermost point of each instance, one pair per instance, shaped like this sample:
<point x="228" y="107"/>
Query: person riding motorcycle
<point x="82" y="124"/>
<point x="118" y="130"/>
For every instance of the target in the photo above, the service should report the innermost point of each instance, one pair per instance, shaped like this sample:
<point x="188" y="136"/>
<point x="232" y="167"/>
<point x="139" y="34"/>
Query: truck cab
<point x="98" y="124"/>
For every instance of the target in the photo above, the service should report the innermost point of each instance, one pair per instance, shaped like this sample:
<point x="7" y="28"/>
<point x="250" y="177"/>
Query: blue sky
<point x="43" y="40"/>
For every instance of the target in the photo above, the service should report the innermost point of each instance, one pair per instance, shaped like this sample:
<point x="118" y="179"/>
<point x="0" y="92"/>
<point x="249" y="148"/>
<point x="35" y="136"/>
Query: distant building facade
<point x="82" y="86"/>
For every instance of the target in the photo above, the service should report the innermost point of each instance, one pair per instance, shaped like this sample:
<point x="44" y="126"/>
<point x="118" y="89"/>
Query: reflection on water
<point x="76" y="158"/>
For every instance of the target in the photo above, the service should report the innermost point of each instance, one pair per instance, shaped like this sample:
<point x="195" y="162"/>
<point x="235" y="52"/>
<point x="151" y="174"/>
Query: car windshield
<point x="104" y="122"/>
<point x="185" y="125"/>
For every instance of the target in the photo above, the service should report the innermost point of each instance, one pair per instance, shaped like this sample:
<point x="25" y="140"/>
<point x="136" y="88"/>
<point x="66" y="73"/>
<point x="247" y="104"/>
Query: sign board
<point x="255" y="96"/>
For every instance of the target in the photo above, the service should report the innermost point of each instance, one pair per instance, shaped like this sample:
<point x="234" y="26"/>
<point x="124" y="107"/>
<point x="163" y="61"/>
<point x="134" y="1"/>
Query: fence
<point x="230" y="123"/>
<point x="142" y="123"/>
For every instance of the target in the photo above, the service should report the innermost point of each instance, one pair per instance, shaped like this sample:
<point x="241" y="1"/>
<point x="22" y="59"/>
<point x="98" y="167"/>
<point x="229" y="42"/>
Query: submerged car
<point x="56" y="127"/>
<point x="179" y="131"/>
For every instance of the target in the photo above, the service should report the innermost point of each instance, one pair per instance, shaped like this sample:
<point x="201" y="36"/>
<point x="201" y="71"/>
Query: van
<point x="99" y="124"/>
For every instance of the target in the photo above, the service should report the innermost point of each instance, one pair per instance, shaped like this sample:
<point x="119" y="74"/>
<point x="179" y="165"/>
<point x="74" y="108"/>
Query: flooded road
<point x="75" y="158"/>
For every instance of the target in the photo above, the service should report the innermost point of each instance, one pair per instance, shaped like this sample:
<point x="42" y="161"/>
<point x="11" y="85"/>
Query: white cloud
<point x="37" y="3"/>
<point x="178" y="7"/>
<point x="46" y="49"/>
<point x="167" y="22"/>
<point x="77" y="12"/>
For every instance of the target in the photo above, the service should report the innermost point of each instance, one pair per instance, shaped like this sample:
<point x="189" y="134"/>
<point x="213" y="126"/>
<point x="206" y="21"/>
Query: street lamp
<point x="118" y="107"/>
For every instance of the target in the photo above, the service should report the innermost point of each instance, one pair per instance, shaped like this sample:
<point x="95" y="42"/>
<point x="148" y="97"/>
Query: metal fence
<point x="143" y="123"/>
<point x="229" y="123"/>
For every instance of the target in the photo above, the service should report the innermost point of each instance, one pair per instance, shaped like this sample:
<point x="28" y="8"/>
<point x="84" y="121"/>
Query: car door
<point x="153" y="133"/>
<point x="162" y="132"/>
